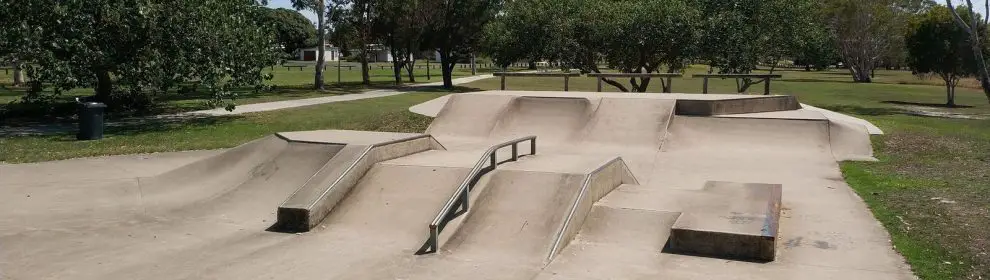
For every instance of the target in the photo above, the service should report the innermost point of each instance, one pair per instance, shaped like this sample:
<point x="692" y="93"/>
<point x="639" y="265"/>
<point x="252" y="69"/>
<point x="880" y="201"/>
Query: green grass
<point x="380" y="114"/>
<point x="289" y="84"/>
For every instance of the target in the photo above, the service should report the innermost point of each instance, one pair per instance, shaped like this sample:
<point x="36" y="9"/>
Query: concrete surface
<point x="197" y="227"/>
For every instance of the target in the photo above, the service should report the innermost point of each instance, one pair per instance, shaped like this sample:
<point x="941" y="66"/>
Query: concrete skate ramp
<point x="551" y="119"/>
<point x="639" y="122"/>
<point x="267" y="162"/>
<point x="317" y="197"/>
<point x="201" y="207"/>
<point x="742" y="135"/>
<point x="517" y="217"/>
<point x="614" y="243"/>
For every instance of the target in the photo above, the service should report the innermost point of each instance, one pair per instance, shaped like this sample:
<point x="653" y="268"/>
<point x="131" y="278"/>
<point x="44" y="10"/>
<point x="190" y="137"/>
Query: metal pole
<point x="515" y="151"/>
<point x="474" y="70"/>
<point x="766" y="86"/>
<point x="532" y="146"/>
<point x="705" y="87"/>
<point x="427" y="69"/>
<point x="338" y="69"/>
<point x="503" y="82"/>
<point x="567" y="81"/>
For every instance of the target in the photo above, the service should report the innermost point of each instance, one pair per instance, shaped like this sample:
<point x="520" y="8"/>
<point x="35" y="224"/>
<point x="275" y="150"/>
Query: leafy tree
<point x="937" y="45"/>
<point x="324" y="9"/>
<point x="455" y="29"/>
<point x="292" y="30"/>
<point x="976" y="43"/>
<point x="530" y="30"/>
<point x="865" y="31"/>
<point x="359" y="17"/>
<point x="400" y="24"/>
<point x="134" y="51"/>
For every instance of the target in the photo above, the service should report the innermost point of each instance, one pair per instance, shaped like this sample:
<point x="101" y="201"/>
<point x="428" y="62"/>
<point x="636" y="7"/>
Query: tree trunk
<point x="532" y="65"/>
<point x="104" y="85"/>
<point x="984" y="77"/>
<point x="18" y="74"/>
<point x="445" y="58"/>
<point x="365" y="76"/>
<point x="410" y="65"/>
<point x="950" y="95"/>
<point x="321" y="48"/>
<point x="860" y="75"/>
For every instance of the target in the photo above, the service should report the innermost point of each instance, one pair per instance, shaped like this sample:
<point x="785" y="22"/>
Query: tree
<point x="324" y="9"/>
<point x="865" y="31"/>
<point x="937" y="45"/>
<point x="292" y="30"/>
<point x="455" y="29"/>
<point x="134" y="51"/>
<point x="973" y="28"/>
<point x="400" y="24"/>
<point x="528" y="30"/>
<point x="359" y="17"/>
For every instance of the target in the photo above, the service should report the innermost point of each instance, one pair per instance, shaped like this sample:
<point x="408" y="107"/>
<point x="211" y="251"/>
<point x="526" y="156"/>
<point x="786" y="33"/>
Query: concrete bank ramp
<point x="184" y="215"/>
<point x="555" y="120"/>
<point x="527" y="212"/>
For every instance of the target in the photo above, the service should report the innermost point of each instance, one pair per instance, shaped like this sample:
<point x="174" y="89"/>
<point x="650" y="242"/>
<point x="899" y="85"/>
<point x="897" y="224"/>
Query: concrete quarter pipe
<point x="621" y="186"/>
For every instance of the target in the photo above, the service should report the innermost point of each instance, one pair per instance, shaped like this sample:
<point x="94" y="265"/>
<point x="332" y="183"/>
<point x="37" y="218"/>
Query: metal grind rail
<point x="458" y="203"/>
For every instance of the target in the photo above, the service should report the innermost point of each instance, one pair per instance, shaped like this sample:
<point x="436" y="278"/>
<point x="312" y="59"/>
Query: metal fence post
<point x="600" y="84"/>
<point x="567" y="80"/>
<point x="766" y="86"/>
<point x="502" y="87"/>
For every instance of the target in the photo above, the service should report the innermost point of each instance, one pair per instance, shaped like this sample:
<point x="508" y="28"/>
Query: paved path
<point x="44" y="129"/>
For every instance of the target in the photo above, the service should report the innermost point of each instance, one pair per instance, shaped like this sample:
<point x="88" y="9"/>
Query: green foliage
<point x="937" y="45"/>
<point x="455" y="29"/>
<point x="529" y="30"/>
<point x="133" y="52"/>
<point x="292" y="29"/>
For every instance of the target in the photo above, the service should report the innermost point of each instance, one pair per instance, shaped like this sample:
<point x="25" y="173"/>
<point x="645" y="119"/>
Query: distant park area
<point x="917" y="69"/>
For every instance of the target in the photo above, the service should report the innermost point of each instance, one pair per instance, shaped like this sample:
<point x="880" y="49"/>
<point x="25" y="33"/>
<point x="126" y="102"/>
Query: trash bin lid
<point x="94" y="105"/>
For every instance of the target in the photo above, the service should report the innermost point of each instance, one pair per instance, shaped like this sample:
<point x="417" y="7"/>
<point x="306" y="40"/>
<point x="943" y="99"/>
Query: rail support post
<point x="704" y="88"/>
<point x="567" y="81"/>
<point x="766" y="86"/>
<point x="600" y="84"/>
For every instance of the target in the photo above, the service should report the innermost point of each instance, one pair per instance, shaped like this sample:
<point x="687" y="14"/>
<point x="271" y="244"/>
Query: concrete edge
<point x="293" y="217"/>
<point x="597" y="183"/>
<point x="772" y="103"/>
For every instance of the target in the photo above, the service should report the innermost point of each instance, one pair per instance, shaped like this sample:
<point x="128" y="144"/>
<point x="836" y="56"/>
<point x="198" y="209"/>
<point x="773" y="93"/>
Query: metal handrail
<point x="461" y="197"/>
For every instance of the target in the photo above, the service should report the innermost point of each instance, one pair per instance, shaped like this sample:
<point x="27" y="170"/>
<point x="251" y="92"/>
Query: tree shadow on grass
<point x="922" y="104"/>
<point x="138" y="126"/>
<point x="807" y="80"/>
<point x="865" y="111"/>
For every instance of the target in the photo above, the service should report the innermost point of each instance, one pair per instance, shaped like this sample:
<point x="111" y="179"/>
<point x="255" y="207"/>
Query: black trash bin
<point x="90" y="120"/>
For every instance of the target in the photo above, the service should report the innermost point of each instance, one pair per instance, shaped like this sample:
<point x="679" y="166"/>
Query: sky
<point x="288" y="5"/>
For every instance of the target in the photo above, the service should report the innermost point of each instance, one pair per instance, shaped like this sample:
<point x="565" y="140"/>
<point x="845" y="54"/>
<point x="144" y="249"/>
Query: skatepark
<point x="502" y="185"/>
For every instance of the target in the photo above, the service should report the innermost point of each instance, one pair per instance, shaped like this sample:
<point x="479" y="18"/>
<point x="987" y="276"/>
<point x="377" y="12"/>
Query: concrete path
<point x="46" y="129"/>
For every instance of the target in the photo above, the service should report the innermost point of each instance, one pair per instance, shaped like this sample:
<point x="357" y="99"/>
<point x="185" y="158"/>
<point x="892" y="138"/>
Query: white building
<point x="311" y="53"/>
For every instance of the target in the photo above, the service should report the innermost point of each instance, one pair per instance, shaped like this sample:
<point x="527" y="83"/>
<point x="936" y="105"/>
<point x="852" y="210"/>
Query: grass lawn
<point x="289" y="84"/>
<point x="930" y="189"/>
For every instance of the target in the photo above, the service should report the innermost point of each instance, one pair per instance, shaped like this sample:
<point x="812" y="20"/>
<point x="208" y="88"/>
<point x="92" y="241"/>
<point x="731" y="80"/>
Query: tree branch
<point x="957" y="18"/>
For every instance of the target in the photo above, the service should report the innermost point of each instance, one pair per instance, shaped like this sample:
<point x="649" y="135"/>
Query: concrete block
<point x="742" y="226"/>
<point x="715" y="107"/>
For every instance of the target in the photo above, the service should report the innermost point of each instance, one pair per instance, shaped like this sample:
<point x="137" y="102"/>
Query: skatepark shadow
<point x="863" y="111"/>
<point x="667" y="250"/>
<point x="922" y="104"/>
<point x="159" y="124"/>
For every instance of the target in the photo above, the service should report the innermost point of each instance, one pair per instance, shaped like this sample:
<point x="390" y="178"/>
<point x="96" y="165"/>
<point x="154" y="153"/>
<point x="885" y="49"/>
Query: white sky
<point x="288" y="5"/>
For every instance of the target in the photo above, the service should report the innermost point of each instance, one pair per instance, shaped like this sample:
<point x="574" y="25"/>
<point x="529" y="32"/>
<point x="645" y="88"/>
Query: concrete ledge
<point x="597" y="184"/>
<point x="312" y="202"/>
<point x="743" y="227"/>
<point x="695" y="107"/>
